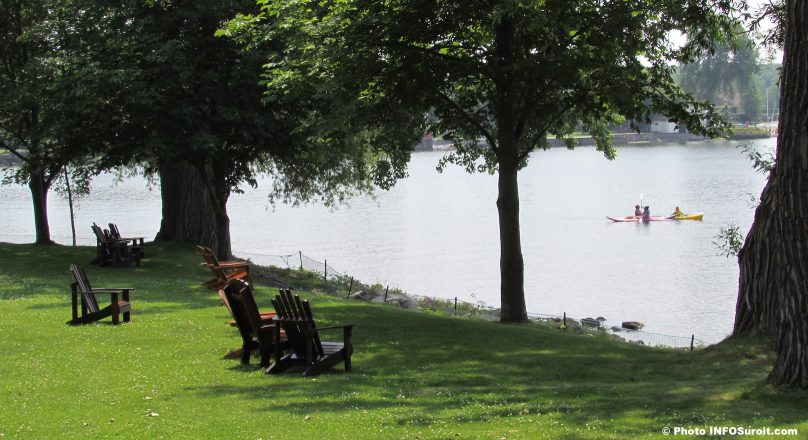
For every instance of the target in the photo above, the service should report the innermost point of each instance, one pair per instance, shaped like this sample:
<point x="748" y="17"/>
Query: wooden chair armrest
<point x="109" y="290"/>
<point x="232" y="264"/>
<point x="331" y="327"/>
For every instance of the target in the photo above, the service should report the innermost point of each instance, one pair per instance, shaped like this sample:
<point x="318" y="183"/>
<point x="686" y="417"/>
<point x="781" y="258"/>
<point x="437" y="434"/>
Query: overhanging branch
<point x="15" y="152"/>
<point x="543" y="131"/>
<point x="491" y="141"/>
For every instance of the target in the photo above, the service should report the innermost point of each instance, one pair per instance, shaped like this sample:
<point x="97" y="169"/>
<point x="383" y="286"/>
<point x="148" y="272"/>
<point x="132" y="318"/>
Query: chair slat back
<point x="208" y="255"/>
<point x="114" y="232"/>
<point x="83" y="284"/>
<point x="292" y="312"/>
<point x="99" y="234"/>
<point x="225" y="301"/>
<point x="289" y="324"/>
<point x="250" y="307"/>
<point x="238" y="311"/>
<point x="305" y="309"/>
<point x="298" y="321"/>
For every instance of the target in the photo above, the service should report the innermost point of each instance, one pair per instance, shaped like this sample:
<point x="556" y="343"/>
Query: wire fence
<point x="626" y="334"/>
<point x="291" y="261"/>
<point x="476" y="309"/>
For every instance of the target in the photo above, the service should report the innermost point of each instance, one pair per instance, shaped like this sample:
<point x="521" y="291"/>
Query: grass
<point x="416" y="375"/>
<point x="749" y="133"/>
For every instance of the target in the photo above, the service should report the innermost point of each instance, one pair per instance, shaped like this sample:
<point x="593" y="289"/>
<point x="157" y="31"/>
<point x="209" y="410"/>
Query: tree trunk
<point x="773" y="289"/>
<point x="223" y="249"/>
<point x="39" y="195"/>
<point x="189" y="214"/>
<point x="511" y="263"/>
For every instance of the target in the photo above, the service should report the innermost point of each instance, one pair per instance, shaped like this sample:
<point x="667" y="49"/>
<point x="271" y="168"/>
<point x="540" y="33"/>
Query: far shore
<point x="619" y="139"/>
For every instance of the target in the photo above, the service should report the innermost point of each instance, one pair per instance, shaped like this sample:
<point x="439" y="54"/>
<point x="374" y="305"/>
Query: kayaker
<point x="637" y="211"/>
<point x="678" y="213"/>
<point x="646" y="214"/>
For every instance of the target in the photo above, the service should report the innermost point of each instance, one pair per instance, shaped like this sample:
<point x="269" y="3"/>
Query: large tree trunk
<point x="194" y="207"/>
<point x="773" y="291"/>
<point x="39" y="187"/>
<point x="189" y="214"/>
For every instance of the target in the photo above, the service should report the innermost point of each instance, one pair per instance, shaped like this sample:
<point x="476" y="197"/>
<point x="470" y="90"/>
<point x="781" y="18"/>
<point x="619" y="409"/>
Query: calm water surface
<point x="437" y="234"/>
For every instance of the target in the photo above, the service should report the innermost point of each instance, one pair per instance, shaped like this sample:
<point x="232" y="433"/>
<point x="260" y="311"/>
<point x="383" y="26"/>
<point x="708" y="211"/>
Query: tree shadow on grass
<point x="409" y="366"/>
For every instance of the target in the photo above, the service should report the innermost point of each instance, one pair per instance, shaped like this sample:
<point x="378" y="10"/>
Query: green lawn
<point x="416" y="375"/>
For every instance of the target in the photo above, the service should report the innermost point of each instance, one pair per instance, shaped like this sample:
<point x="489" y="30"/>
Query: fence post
<point x="455" y="306"/>
<point x="325" y="271"/>
<point x="565" y="319"/>
<point x="350" y="287"/>
<point x="385" y="293"/>
<point x="300" y="253"/>
<point x="692" y="340"/>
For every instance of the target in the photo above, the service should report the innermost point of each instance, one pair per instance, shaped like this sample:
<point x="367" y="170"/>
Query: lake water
<point x="437" y="234"/>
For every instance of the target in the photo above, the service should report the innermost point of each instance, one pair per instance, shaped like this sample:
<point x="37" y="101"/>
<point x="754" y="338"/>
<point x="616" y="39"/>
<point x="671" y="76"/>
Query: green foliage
<point x="40" y="58"/>
<point x="416" y="375"/>
<point x="727" y="74"/>
<point x="768" y="82"/>
<point x="729" y="240"/>
<point x="489" y="73"/>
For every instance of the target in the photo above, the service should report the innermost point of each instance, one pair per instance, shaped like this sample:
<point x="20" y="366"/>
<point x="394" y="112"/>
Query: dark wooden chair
<point x="223" y="271"/>
<point x="306" y="347"/>
<point x="136" y="244"/>
<point x="112" y="252"/>
<point x="90" y="310"/>
<point x="255" y="332"/>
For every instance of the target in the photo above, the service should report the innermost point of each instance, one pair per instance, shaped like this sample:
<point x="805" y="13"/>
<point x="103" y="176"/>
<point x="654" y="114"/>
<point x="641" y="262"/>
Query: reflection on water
<point x="437" y="234"/>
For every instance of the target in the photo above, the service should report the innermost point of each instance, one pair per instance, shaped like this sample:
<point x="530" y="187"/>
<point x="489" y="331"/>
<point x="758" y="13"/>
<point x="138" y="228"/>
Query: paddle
<point x="641" y="207"/>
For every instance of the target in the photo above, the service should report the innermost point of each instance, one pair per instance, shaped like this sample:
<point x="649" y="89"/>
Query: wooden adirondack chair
<point x="255" y="332"/>
<point x="307" y="349"/>
<point x="90" y="310"/>
<point x="223" y="271"/>
<point x="112" y="252"/>
<point x="137" y="243"/>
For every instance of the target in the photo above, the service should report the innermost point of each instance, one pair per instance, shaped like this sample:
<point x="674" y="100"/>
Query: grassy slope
<point x="416" y="375"/>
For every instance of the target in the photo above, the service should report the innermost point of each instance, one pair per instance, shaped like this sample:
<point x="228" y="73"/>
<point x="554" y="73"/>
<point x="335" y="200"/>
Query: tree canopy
<point x="148" y="84"/>
<point x="498" y="76"/>
<point x="727" y="75"/>
<point x="42" y="53"/>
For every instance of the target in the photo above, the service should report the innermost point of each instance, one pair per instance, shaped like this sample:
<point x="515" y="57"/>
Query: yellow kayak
<point x="694" y="216"/>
